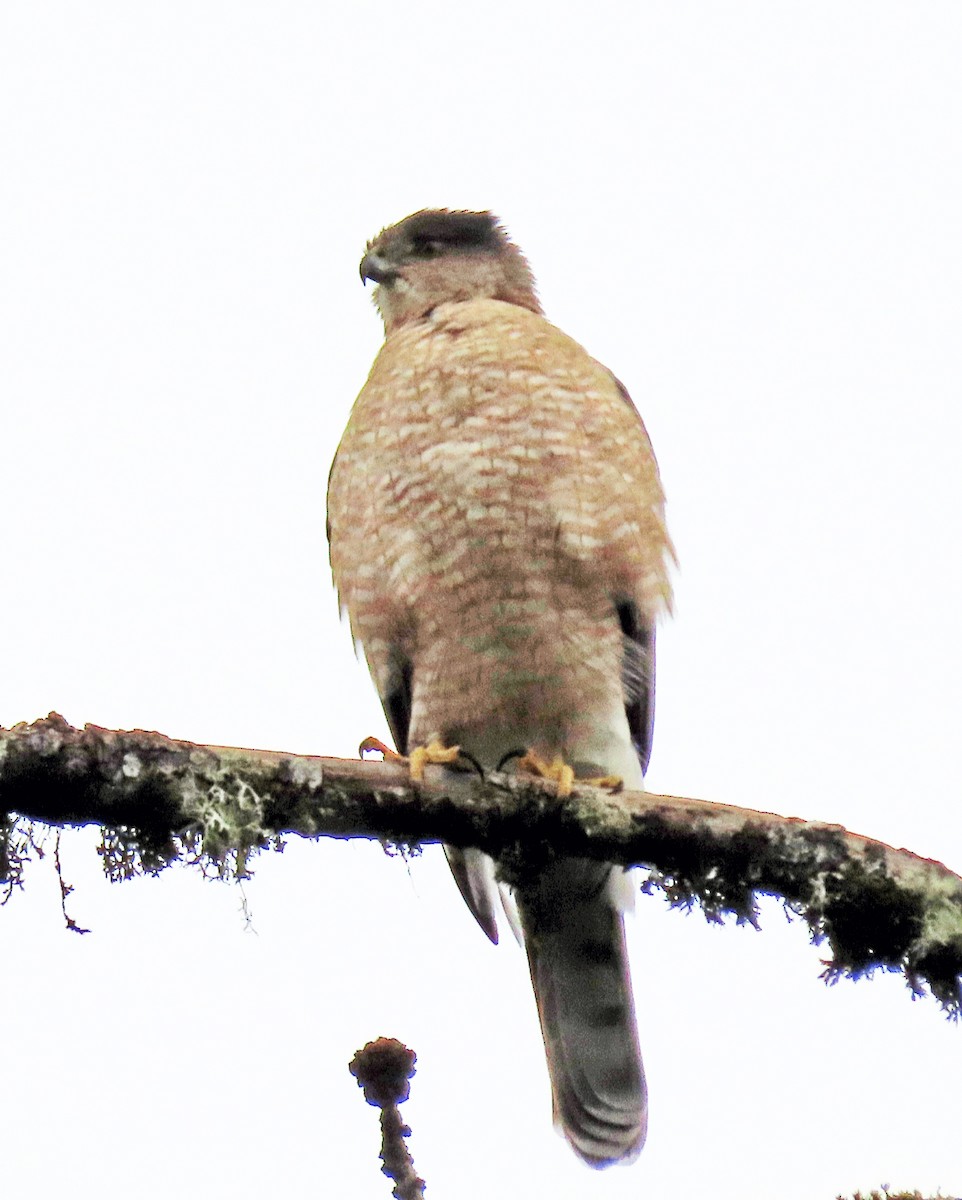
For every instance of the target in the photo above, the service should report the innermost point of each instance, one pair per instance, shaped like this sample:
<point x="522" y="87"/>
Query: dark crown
<point x="458" y="230"/>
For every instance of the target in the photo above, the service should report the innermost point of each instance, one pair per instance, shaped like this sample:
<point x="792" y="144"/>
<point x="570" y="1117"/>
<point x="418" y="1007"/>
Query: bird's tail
<point x="575" y="939"/>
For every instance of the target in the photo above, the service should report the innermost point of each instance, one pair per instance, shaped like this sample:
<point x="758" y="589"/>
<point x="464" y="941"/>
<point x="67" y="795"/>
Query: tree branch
<point x="383" y="1068"/>
<point x="160" y="801"/>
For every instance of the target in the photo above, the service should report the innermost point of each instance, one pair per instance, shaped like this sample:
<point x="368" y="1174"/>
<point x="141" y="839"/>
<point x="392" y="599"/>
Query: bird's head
<point x="437" y="256"/>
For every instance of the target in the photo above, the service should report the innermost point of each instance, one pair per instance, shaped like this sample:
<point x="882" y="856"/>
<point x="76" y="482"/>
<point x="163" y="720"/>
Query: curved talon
<point x="473" y="761"/>
<point x="506" y="758"/>
<point x="371" y="744"/>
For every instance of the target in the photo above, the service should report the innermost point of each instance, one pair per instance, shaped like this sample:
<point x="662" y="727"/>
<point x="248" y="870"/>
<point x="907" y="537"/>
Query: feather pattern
<point x="498" y="541"/>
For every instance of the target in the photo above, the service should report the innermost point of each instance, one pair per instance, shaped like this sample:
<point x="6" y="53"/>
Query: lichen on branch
<point x="160" y="801"/>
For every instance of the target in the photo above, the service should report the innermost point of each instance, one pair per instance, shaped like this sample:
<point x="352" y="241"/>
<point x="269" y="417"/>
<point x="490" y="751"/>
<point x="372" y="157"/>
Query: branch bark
<point x="160" y="801"/>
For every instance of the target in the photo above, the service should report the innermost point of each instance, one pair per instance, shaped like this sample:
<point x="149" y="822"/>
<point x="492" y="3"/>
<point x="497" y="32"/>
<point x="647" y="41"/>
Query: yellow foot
<point x="417" y="760"/>
<point x="612" y="783"/>
<point x="557" y="770"/>
<point x="433" y="752"/>
<point x="562" y="774"/>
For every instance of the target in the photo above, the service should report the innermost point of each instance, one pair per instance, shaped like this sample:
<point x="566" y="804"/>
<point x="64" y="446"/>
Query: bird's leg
<point x="562" y="774"/>
<point x="433" y="752"/>
<point x="418" y="759"/>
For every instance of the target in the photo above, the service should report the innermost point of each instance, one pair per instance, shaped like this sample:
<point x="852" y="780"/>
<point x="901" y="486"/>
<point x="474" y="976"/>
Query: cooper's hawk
<point x="497" y="538"/>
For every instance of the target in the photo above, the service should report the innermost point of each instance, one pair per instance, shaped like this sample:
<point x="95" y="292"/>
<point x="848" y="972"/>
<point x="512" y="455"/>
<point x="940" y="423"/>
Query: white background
<point x="751" y="213"/>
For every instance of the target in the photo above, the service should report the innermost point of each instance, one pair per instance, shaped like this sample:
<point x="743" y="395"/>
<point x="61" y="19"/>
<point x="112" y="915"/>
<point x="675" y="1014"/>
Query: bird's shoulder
<point x="494" y="339"/>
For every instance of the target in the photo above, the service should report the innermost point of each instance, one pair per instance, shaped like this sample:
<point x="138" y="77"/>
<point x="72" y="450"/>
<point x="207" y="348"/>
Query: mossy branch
<point x="161" y="801"/>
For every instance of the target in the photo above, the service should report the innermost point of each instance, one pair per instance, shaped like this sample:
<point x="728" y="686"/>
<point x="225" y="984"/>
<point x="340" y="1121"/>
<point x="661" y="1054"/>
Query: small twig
<point x="383" y="1069"/>
<point x="65" y="890"/>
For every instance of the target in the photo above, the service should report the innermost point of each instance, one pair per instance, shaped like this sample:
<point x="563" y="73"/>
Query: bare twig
<point x="160" y="801"/>
<point x="65" y="890"/>
<point x="383" y="1069"/>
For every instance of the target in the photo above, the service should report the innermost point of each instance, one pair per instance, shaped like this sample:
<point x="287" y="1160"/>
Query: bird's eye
<point x="427" y="247"/>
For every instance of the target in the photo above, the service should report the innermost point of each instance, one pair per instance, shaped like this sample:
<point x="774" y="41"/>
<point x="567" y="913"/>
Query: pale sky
<point x="751" y="213"/>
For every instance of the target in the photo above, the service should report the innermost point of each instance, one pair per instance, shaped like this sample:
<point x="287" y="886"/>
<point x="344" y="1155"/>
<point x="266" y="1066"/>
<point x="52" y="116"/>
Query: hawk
<point x="497" y="537"/>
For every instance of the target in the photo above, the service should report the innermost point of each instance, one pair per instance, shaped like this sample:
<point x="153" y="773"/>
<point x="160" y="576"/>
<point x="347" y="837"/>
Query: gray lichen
<point x="160" y="801"/>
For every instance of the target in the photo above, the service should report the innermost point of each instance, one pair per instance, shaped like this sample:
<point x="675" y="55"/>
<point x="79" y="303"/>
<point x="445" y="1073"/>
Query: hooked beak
<point x="377" y="269"/>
